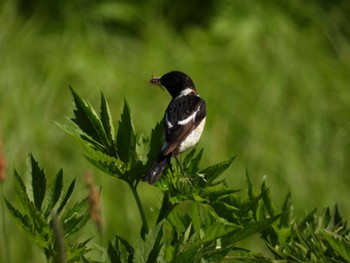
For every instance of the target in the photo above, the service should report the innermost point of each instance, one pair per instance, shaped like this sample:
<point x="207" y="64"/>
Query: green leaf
<point x="106" y="119"/>
<point x="191" y="162"/>
<point x="66" y="197"/>
<point x="339" y="243"/>
<point x="38" y="183"/>
<point x="76" y="217"/>
<point x="142" y="149"/>
<point x="248" y="230"/>
<point x="147" y="250"/>
<point x="126" y="138"/>
<point x="22" y="220"/>
<point x="79" y="249"/>
<point x="250" y="189"/>
<point x="267" y="200"/>
<point x="21" y="192"/>
<point x="154" y="253"/>
<point x="214" y="193"/>
<point x="33" y="224"/>
<point x="87" y="120"/>
<point x="307" y="220"/>
<point x="287" y="211"/>
<point x="108" y="164"/>
<point x="120" y="251"/>
<point x="54" y="193"/>
<point x="326" y="218"/>
<point x="215" y="231"/>
<point x="213" y="172"/>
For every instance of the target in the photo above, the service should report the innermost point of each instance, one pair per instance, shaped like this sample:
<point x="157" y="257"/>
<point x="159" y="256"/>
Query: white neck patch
<point x="185" y="92"/>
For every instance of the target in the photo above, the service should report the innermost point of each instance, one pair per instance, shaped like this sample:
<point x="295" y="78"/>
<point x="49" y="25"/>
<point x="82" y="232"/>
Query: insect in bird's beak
<point x="156" y="81"/>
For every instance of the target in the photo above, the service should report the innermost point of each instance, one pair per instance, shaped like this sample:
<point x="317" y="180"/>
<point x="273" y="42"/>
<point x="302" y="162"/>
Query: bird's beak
<point x="156" y="81"/>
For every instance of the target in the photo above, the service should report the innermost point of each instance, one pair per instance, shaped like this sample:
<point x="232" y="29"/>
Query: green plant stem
<point x="145" y="226"/>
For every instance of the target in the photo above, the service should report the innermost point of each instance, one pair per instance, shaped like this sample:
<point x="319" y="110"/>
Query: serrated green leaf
<point x="108" y="164"/>
<point x="248" y="230"/>
<point x="79" y="250"/>
<point x="76" y="217"/>
<point x="339" y="243"/>
<point x="308" y="219"/>
<point x="32" y="224"/>
<point x="191" y="162"/>
<point x="267" y="200"/>
<point x="178" y="222"/>
<point x="38" y="183"/>
<point x="215" y="231"/>
<point x="287" y="211"/>
<point x="83" y="139"/>
<point x="225" y="211"/>
<point x="22" y="220"/>
<point x="21" y="192"/>
<point x="142" y="148"/>
<point x="337" y="218"/>
<point x="250" y="189"/>
<point x="87" y="120"/>
<point x="148" y="249"/>
<point x="326" y="218"/>
<point x="214" y="193"/>
<point x="120" y="251"/>
<point x="213" y="172"/>
<point x="62" y="204"/>
<point x="54" y="193"/>
<point x="126" y="138"/>
<point x="106" y="119"/>
<point x="157" y="245"/>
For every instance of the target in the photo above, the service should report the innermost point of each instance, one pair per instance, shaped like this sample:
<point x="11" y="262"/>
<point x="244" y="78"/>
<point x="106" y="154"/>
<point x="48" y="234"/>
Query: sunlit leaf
<point x="62" y="203"/>
<point x="78" y="250"/>
<point x="213" y="172"/>
<point x="76" y="217"/>
<point x="24" y="201"/>
<point x="54" y="193"/>
<point x="106" y="119"/>
<point x="339" y="243"/>
<point x="87" y="120"/>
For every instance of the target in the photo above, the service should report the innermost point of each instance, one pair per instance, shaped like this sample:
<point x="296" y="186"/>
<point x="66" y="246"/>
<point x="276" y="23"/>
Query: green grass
<point x="275" y="78"/>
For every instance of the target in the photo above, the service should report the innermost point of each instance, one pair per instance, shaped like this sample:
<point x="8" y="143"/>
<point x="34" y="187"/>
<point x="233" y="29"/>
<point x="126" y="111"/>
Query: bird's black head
<point x="174" y="82"/>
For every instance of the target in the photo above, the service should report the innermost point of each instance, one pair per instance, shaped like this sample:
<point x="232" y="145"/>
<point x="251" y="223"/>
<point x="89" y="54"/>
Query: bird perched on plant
<point x="184" y="120"/>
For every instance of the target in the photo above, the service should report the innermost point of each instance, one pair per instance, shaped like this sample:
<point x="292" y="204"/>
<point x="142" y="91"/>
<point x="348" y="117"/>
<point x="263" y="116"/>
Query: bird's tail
<point x="156" y="169"/>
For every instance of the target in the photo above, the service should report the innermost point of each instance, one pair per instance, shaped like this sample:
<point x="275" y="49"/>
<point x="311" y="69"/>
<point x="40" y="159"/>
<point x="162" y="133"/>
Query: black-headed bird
<point x="184" y="120"/>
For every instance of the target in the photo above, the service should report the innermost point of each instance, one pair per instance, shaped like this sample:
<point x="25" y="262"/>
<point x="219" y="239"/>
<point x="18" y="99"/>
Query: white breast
<point x="192" y="138"/>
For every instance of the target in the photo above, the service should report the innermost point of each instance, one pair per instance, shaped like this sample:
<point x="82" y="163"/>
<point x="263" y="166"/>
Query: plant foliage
<point x="42" y="217"/>
<point x="201" y="218"/>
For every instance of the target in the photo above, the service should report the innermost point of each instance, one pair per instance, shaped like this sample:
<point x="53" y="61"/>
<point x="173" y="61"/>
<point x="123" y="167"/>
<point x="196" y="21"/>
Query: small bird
<point x="184" y="120"/>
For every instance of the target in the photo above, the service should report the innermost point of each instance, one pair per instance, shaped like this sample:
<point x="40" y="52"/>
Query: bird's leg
<point x="169" y="164"/>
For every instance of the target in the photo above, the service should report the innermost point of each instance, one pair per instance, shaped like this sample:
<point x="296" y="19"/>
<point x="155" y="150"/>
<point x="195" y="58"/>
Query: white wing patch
<point x="188" y="119"/>
<point x="167" y="122"/>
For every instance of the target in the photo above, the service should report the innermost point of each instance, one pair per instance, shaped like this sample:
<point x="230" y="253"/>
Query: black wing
<point x="182" y="116"/>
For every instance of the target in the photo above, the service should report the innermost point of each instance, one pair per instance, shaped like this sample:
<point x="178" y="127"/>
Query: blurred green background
<point x="275" y="76"/>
